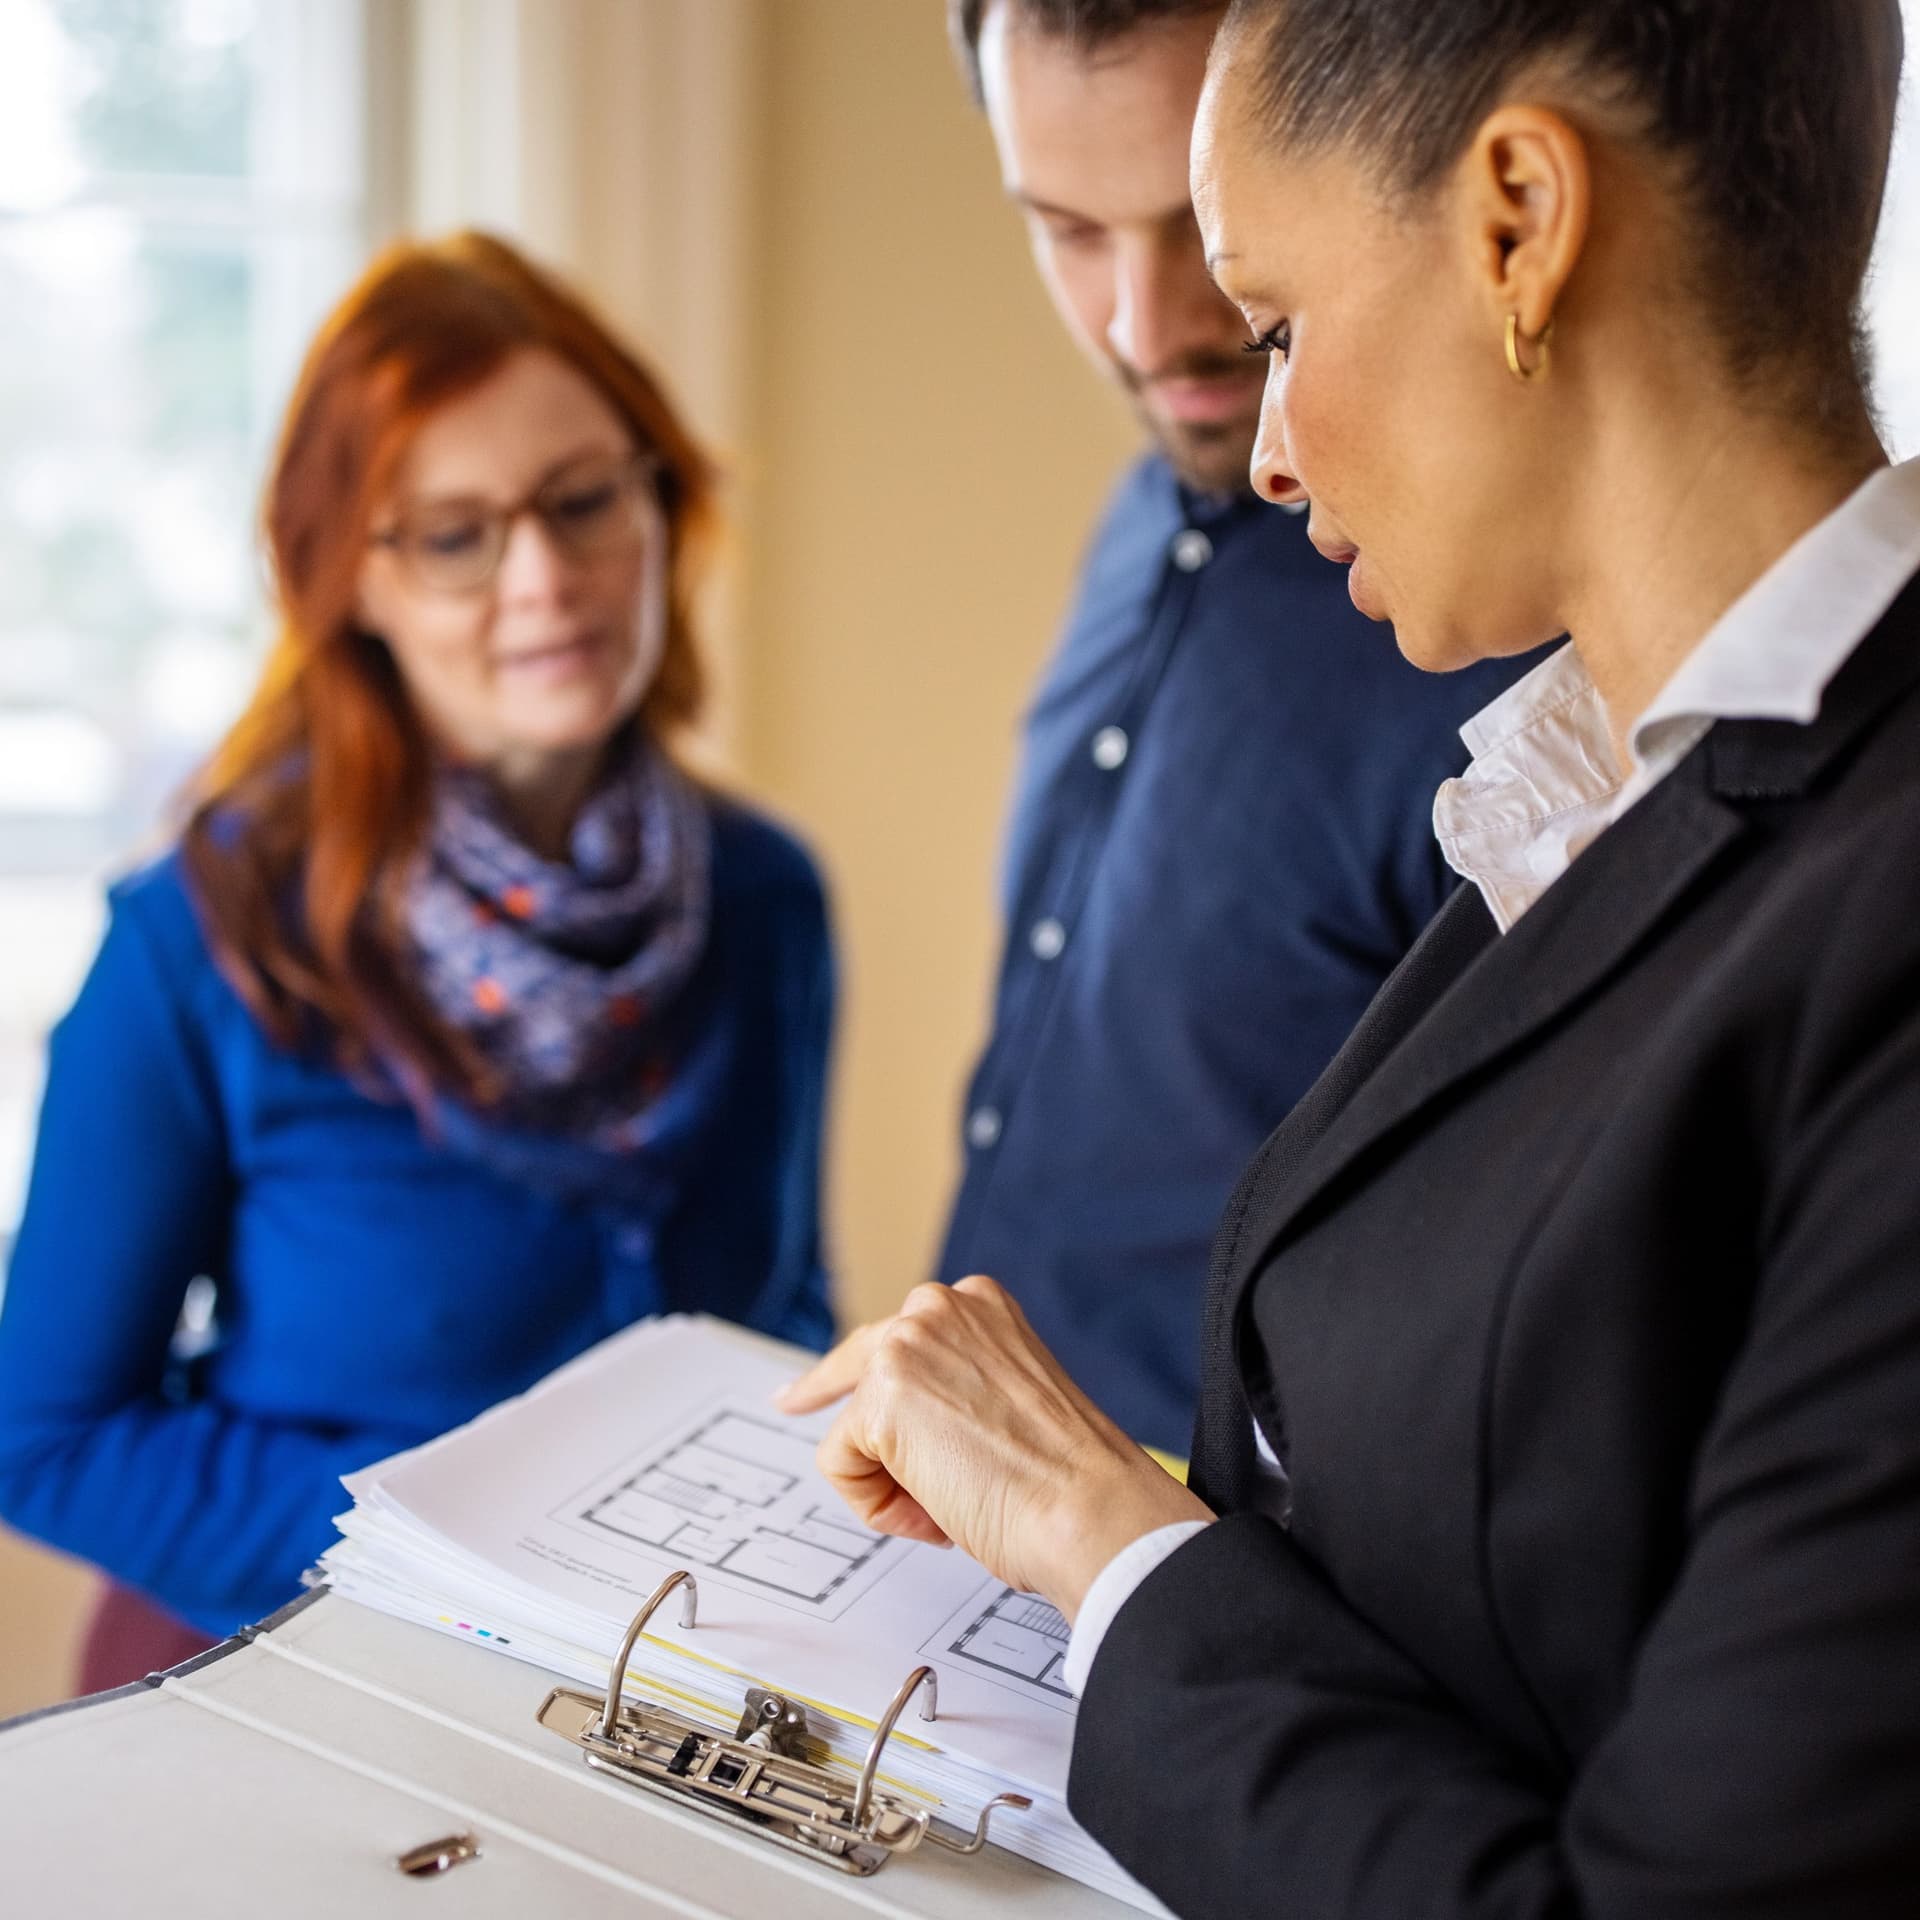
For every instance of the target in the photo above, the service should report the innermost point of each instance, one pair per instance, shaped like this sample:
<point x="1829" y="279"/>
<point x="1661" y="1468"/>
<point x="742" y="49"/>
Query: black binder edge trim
<point x="59" y="1707"/>
<point x="274" y="1621"/>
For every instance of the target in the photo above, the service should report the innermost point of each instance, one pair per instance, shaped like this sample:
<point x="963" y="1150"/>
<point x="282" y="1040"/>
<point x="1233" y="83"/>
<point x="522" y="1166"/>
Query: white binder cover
<point x="285" y="1773"/>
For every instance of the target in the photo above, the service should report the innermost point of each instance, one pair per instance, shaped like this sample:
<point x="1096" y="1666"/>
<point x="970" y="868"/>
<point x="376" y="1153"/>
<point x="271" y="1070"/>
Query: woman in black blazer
<point x="1553" y="1545"/>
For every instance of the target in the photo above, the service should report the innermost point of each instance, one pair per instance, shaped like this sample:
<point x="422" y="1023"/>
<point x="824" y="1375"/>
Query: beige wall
<point x="42" y="1607"/>
<point x="917" y="455"/>
<point x="925" y="455"/>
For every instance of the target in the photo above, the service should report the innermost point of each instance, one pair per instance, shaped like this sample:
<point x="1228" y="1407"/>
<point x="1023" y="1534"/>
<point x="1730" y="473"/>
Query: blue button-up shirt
<point x="1221" y="844"/>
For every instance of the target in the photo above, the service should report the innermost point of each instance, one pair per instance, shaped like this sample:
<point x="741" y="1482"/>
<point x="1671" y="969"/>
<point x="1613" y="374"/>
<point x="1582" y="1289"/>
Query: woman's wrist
<point x="1097" y="1514"/>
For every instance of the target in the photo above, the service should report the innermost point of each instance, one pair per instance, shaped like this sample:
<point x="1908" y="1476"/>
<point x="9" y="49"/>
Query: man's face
<point x="1093" y="149"/>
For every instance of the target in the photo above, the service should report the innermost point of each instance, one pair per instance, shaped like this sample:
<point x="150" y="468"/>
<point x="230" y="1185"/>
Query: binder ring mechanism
<point x="770" y="1777"/>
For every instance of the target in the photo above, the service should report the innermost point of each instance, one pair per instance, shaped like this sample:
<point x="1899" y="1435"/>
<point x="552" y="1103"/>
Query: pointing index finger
<point x="833" y="1376"/>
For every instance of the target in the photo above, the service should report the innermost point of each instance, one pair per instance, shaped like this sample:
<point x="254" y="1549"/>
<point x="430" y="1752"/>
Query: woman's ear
<point x="1527" y="195"/>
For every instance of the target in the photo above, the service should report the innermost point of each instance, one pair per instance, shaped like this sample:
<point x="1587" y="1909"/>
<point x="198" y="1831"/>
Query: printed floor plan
<point x="1014" y="1634"/>
<point x="733" y="1493"/>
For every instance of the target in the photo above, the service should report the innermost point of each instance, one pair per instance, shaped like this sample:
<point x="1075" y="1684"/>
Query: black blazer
<point x="1581" y="1299"/>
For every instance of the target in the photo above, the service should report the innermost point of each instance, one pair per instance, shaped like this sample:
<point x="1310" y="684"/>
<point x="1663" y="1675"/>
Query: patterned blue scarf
<point x="578" y="981"/>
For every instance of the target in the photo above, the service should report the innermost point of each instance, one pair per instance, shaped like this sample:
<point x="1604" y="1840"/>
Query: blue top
<point x="373" y="1288"/>
<point x="1221" y="844"/>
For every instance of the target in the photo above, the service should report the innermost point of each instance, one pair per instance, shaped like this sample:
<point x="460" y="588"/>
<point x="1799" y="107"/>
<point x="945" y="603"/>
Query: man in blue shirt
<point x="1221" y="839"/>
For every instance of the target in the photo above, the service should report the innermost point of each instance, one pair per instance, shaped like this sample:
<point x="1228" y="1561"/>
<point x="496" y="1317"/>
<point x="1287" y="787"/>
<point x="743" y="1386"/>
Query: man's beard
<point x="1206" y="459"/>
<point x="1206" y="456"/>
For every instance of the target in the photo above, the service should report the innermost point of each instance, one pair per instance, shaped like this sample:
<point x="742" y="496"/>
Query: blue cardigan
<point x="373" y="1289"/>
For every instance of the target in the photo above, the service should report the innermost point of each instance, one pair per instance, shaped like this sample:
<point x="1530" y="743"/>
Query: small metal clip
<point x="437" y="1856"/>
<point x="774" y="1722"/>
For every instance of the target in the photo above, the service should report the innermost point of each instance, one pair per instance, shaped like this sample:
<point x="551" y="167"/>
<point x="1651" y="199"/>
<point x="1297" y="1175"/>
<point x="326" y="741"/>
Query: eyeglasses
<point x="590" y="510"/>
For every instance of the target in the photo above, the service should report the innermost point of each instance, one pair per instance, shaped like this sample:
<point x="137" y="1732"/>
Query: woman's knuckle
<point x="894" y="1352"/>
<point x="929" y="1297"/>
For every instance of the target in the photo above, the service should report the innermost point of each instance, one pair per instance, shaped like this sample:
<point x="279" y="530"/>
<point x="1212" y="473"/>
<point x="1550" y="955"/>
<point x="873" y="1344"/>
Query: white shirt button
<point x="983" y="1127"/>
<point x="1191" y="549"/>
<point x="1048" y="939"/>
<point x="1110" y="746"/>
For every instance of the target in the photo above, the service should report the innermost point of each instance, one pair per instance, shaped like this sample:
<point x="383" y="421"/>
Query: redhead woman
<point x="1552" y="1548"/>
<point x="462" y="1026"/>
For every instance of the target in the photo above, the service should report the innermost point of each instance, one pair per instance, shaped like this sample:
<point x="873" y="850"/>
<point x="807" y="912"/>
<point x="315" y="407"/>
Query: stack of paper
<point x="539" y="1529"/>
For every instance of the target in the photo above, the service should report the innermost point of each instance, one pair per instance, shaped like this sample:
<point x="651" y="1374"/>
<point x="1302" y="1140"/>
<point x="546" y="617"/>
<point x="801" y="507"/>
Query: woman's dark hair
<point x="1084" y="24"/>
<point x="1778" y="113"/>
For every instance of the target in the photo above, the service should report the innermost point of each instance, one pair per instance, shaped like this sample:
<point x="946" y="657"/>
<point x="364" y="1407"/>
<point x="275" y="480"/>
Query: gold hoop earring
<point x="1544" y="344"/>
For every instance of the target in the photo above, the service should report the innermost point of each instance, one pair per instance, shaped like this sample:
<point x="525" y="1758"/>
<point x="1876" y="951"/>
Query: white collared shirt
<point x="1545" y="781"/>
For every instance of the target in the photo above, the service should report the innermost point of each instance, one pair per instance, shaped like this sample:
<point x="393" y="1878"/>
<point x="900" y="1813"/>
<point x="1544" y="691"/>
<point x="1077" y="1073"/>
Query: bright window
<point x="183" y="189"/>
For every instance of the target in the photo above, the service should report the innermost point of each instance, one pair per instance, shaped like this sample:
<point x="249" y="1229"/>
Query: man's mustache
<point x="1194" y="366"/>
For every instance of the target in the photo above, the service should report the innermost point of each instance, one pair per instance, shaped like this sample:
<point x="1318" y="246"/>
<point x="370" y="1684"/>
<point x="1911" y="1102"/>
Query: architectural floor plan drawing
<point x="1014" y="1635"/>
<point x="734" y="1492"/>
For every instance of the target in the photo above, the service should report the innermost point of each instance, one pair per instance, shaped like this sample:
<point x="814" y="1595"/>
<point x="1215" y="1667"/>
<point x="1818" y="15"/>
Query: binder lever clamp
<point x="768" y="1777"/>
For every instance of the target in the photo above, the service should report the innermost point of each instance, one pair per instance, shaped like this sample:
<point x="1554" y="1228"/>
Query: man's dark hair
<point x="1085" y="24"/>
<point x="1778" y="113"/>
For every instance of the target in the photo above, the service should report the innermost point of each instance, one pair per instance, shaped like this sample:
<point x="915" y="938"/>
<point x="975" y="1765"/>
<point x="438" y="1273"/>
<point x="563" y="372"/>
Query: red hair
<point x="306" y="817"/>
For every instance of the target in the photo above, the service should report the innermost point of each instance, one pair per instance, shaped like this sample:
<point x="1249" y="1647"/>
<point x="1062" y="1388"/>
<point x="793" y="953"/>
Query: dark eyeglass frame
<point x="637" y="476"/>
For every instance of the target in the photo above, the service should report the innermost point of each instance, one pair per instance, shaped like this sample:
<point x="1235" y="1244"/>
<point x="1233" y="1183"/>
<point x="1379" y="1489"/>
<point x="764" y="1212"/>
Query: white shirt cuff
<point x="1112" y="1588"/>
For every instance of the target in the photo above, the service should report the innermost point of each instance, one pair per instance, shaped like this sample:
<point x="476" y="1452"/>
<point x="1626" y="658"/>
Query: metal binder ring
<point x="908" y="1688"/>
<point x="617" y="1679"/>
